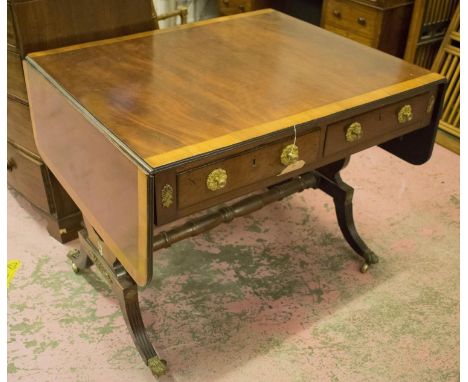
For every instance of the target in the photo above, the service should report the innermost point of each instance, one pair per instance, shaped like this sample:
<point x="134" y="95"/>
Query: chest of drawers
<point x="265" y="109"/>
<point x="27" y="172"/>
<point x="231" y="7"/>
<point x="46" y="24"/>
<point x="382" y="24"/>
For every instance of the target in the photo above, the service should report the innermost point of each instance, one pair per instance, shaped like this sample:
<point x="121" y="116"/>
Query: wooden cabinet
<point x="381" y="24"/>
<point x="27" y="173"/>
<point x="231" y="7"/>
<point x="47" y="24"/>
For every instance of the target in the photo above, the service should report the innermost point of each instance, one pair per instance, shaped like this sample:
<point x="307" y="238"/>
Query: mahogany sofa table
<point x="150" y="128"/>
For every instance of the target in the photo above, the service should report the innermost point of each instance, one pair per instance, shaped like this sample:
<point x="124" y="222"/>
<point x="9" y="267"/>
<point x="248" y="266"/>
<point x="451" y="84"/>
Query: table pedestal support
<point x="126" y="291"/>
<point x="342" y="194"/>
<point x="326" y="178"/>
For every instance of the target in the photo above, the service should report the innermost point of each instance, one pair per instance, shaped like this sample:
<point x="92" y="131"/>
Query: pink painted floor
<point x="276" y="296"/>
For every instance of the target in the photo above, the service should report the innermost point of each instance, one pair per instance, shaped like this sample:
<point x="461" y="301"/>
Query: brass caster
<point x="157" y="366"/>
<point x="364" y="268"/>
<point x="73" y="255"/>
<point x="75" y="268"/>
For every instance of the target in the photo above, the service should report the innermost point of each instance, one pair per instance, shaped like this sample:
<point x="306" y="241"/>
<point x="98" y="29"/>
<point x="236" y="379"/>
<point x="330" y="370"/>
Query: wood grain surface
<point x="110" y="190"/>
<point x="171" y="95"/>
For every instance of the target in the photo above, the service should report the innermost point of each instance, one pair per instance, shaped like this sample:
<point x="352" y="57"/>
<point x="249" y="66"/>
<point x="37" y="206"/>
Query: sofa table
<point x="147" y="130"/>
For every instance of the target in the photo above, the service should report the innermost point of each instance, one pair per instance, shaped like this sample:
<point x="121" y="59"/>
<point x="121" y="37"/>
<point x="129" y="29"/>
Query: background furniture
<point x="447" y="63"/>
<point x="231" y="7"/>
<point x="429" y="23"/>
<point x="381" y="24"/>
<point x="47" y="24"/>
<point x="196" y="10"/>
<point x="307" y="10"/>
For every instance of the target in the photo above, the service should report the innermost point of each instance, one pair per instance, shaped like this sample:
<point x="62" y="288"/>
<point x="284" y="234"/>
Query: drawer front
<point x="11" y="36"/>
<point x="16" y="85"/>
<point x="230" y="7"/>
<point x="352" y="17"/>
<point x="244" y="169"/>
<point x="19" y="125"/>
<point x="356" y="37"/>
<point x="28" y="176"/>
<point x="363" y="128"/>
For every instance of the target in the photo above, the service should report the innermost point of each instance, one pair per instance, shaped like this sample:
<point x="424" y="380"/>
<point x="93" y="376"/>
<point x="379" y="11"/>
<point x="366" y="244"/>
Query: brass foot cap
<point x="75" y="268"/>
<point x="364" y="268"/>
<point x="157" y="366"/>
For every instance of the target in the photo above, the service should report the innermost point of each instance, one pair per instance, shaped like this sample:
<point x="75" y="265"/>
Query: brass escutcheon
<point x="217" y="179"/>
<point x="354" y="132"/>
<point x="290" y="155"/>
<point x="405" y="114"/>
<point x="430" y="104"/>
<point x="167" y="195"/>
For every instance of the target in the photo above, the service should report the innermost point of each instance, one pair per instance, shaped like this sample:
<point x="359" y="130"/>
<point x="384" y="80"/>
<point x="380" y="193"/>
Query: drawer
<point x="16" y="85"/>
<point x="356" y="37"/>
<point x="245" y="169"/>
<point x="28" y="176"/>
<point x="230" y="7"/>
<point x="355" y="18"/>
<point x="362" y="128"/>
<point x="11" y="36"/>
<point x="19" y="125"/>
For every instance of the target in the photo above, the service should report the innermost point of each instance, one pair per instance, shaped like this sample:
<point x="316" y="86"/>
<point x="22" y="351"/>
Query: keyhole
<point x="254" y="162"/>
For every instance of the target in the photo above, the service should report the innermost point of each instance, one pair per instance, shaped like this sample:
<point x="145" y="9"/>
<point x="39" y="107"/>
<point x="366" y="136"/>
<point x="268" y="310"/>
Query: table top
<point x="173" y="94"/>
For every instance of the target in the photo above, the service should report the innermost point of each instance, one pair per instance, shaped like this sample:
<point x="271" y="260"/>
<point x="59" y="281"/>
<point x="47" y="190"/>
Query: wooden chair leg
<point x="342" y="194"/>
<point x="126" y="291"/>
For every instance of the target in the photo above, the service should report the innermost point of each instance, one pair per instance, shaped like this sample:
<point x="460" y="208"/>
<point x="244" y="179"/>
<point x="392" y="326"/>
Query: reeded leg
<point x="342" y="194"/>
<point x="126" y="291"/>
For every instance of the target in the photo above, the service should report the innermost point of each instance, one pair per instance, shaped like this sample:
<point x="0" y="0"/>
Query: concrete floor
<point x="276" y="296"/>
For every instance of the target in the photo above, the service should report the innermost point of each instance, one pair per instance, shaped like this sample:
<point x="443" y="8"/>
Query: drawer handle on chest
<point x="405" y="114"/>
<point x="241" y="8"/>
<point x="11" y="165"/>
<point x="290" y="155"/>
<point x="362" y="21"/>
<point x="354" y="132"/>
<point x="217" y="179"/>
<point x="337" y="13"/>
